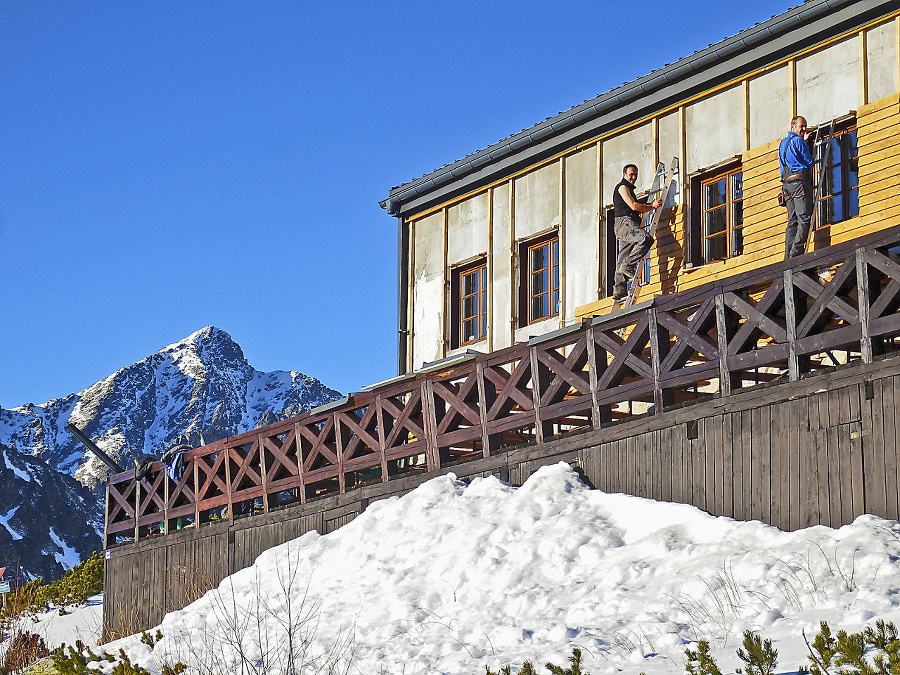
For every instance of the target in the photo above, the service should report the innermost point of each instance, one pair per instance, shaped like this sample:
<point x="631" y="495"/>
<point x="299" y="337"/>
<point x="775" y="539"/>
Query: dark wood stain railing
<point x="774" y="324"/>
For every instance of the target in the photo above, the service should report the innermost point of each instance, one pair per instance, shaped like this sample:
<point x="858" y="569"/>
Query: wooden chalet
<point x="747" y="385"/>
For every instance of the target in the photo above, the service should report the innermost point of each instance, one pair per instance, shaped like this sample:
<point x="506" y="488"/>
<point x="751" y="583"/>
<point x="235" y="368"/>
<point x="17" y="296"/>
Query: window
<point x="539" y="290"/>
<point x="839" y="199"/>
<point x="470" y="303"/>
<point x="718" y="221"/>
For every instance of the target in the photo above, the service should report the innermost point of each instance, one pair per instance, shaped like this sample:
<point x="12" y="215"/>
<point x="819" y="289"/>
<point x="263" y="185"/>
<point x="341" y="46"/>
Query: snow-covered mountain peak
<point x="195" y="391"/>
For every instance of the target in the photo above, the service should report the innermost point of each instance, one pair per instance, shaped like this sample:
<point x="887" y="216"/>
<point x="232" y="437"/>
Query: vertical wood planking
<point x="892" y="485"/>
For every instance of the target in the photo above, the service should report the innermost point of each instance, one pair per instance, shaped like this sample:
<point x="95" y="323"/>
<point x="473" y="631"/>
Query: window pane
<point x="737" y="186"/>
<point x="539" y="282"/>
<point x="737" y="241"/>
<point x="468" y="330"/>
<point x="556" y="276"/>
<point x="483" y="278"/>
<point x="483" y="325"/>
<point x="716" y="193"/>
<point x="556" y="301"/>
<point x="737" y="214"/>
<point x="538" y="258"/>
<point x="715" y="248"/>
<point x="555" y="244"/>
<point x="468" y="307"/>
<point x="853" y="206"/>
<point x="470" y="283"/>
<point x="715" y="221"/>
<point x="539" y="307"/>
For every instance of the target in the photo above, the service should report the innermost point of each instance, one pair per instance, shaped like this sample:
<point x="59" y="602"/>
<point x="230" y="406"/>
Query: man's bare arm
<point x="625" y="193"/>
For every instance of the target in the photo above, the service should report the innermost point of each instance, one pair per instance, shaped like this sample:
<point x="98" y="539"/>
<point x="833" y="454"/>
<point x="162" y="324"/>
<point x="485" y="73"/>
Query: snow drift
<point x="453" y="577"/>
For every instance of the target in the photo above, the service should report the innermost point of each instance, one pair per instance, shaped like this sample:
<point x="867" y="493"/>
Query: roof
<point x="798" y="28"/>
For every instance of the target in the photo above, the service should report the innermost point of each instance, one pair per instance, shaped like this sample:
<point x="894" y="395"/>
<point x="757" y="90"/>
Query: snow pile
<point x="451" y="578"/>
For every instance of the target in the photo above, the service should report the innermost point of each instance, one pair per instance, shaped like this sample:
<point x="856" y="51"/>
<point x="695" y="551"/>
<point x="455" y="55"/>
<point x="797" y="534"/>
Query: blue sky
<point x="170" y="165"/>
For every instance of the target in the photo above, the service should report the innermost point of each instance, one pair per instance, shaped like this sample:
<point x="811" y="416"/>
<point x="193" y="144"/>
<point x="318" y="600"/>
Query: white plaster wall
<point x="770" y="106"/>
<point x="669" y="138"/>
<point x="428" y="289"/>
<point x="537" y="201"/>
<point x="633" y="147"/>
<point x="582" y="236"/>
<point x="500" y="320"/>
<point x="714" y="129"/>
<point x="670" y="147"/>
<point x="881" y="60"/>
<point x="828" y="84"/>
<point x="537" y="328"/>
<point x="467" y="229"/>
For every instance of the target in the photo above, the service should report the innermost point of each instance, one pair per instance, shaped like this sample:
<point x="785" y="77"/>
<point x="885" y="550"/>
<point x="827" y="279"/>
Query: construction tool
<point x="651" y="219"/>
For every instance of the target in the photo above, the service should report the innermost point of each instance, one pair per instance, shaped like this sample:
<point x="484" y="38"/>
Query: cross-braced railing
<point x="774" y="324"/>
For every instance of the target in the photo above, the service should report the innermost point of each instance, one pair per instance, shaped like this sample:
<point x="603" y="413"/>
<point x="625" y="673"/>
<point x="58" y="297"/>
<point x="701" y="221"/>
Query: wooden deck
<point x="826" y="311"/>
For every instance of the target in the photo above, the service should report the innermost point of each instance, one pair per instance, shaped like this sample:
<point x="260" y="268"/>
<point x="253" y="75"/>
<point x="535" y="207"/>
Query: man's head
<point x="798" y="125"/>
<point x="630" y="173"/>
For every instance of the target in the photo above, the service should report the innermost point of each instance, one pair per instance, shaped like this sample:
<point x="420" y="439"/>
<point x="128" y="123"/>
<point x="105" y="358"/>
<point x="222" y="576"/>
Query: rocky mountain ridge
<point x="194" y="391"/>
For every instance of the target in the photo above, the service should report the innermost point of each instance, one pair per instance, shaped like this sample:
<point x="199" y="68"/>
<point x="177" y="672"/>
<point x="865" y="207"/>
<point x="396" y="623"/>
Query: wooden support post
<point x="137" y="508"/>
<point x="790" y="320"/>
<point x="862" y="290"/>
<point x="539" y="383"/>
<point x="165" y="482"/>
<point x="197" y="493"/>
<point x="106" y="518"/>
<point x="490" y="443"/>
<point x="658" y="350"/>
<point x="263" y="479"/>
<point x="301" y="472"/>
<point x="339" y="446"/>
<point x="863" y="68"/>
<point x="722" y="340"/>
<point x="379" y="416"/>
<point x="593" y="376"/>
<point x="432" y="452"/>
<point x="227" y="452"/>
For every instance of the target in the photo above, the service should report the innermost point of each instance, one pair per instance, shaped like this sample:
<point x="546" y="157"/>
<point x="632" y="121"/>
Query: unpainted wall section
<point x="882" y="61"/>
<point x="770" y="105"/>
<point x="500" y="297"/>
<point x="828" y="82"/>
<point x="582" y="231"/>
<point x="428" y="289"/>
<point x="467" y="229"/>
<point x="537" y="201"/>
<point x="714" y="129"/>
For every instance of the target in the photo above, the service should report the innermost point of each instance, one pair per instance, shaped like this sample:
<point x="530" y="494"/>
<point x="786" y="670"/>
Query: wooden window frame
<point x="846" y="136"/>
<point x="698" y="253"/>
<point x="526" y="296"/>
<point x="457" y="288"/>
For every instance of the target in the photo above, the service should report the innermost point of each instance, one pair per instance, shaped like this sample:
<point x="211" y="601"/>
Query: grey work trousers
<point x="799" y="201"/>
<point x="633" y="243"/>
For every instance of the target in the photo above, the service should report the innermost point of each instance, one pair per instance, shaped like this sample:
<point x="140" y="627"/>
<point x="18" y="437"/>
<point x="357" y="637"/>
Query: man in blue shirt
<point x="796" y="163"/>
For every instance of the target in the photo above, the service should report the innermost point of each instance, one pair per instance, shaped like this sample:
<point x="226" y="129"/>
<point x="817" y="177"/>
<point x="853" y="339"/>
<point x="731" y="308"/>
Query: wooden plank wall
<point x="819" y="459"/>
<point x="819" y="451"/>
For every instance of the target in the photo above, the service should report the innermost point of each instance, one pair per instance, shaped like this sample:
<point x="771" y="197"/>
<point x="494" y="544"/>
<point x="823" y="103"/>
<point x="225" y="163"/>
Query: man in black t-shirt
<point x="632" y="240"/>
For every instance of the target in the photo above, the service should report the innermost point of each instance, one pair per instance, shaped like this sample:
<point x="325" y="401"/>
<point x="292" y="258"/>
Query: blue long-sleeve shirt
<point x="793" y="152"/>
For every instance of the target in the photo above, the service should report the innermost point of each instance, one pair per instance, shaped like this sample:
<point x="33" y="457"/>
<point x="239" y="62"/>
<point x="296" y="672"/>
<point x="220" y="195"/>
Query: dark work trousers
<point x="633" y="243"/>
<point x="799" y="196"/>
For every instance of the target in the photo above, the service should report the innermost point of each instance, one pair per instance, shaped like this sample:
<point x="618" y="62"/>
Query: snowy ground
<point x="80" y="623"/>
<point x="452" y="578"/>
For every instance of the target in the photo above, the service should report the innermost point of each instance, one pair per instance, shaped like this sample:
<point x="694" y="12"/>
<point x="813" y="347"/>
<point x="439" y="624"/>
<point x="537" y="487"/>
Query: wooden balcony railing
<point x="777" y="323"/>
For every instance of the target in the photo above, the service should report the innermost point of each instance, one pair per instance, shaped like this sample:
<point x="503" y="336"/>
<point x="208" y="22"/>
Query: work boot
<point x="620" y="291"/>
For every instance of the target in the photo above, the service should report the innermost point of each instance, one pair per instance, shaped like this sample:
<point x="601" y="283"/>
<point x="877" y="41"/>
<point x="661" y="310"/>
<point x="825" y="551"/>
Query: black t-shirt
<point x="621" y="206"/>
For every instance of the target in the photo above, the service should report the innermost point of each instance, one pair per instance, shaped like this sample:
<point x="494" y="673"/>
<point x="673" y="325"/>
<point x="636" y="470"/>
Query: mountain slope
<point x="194" y="391"/>
<point x="49" y="521"/>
